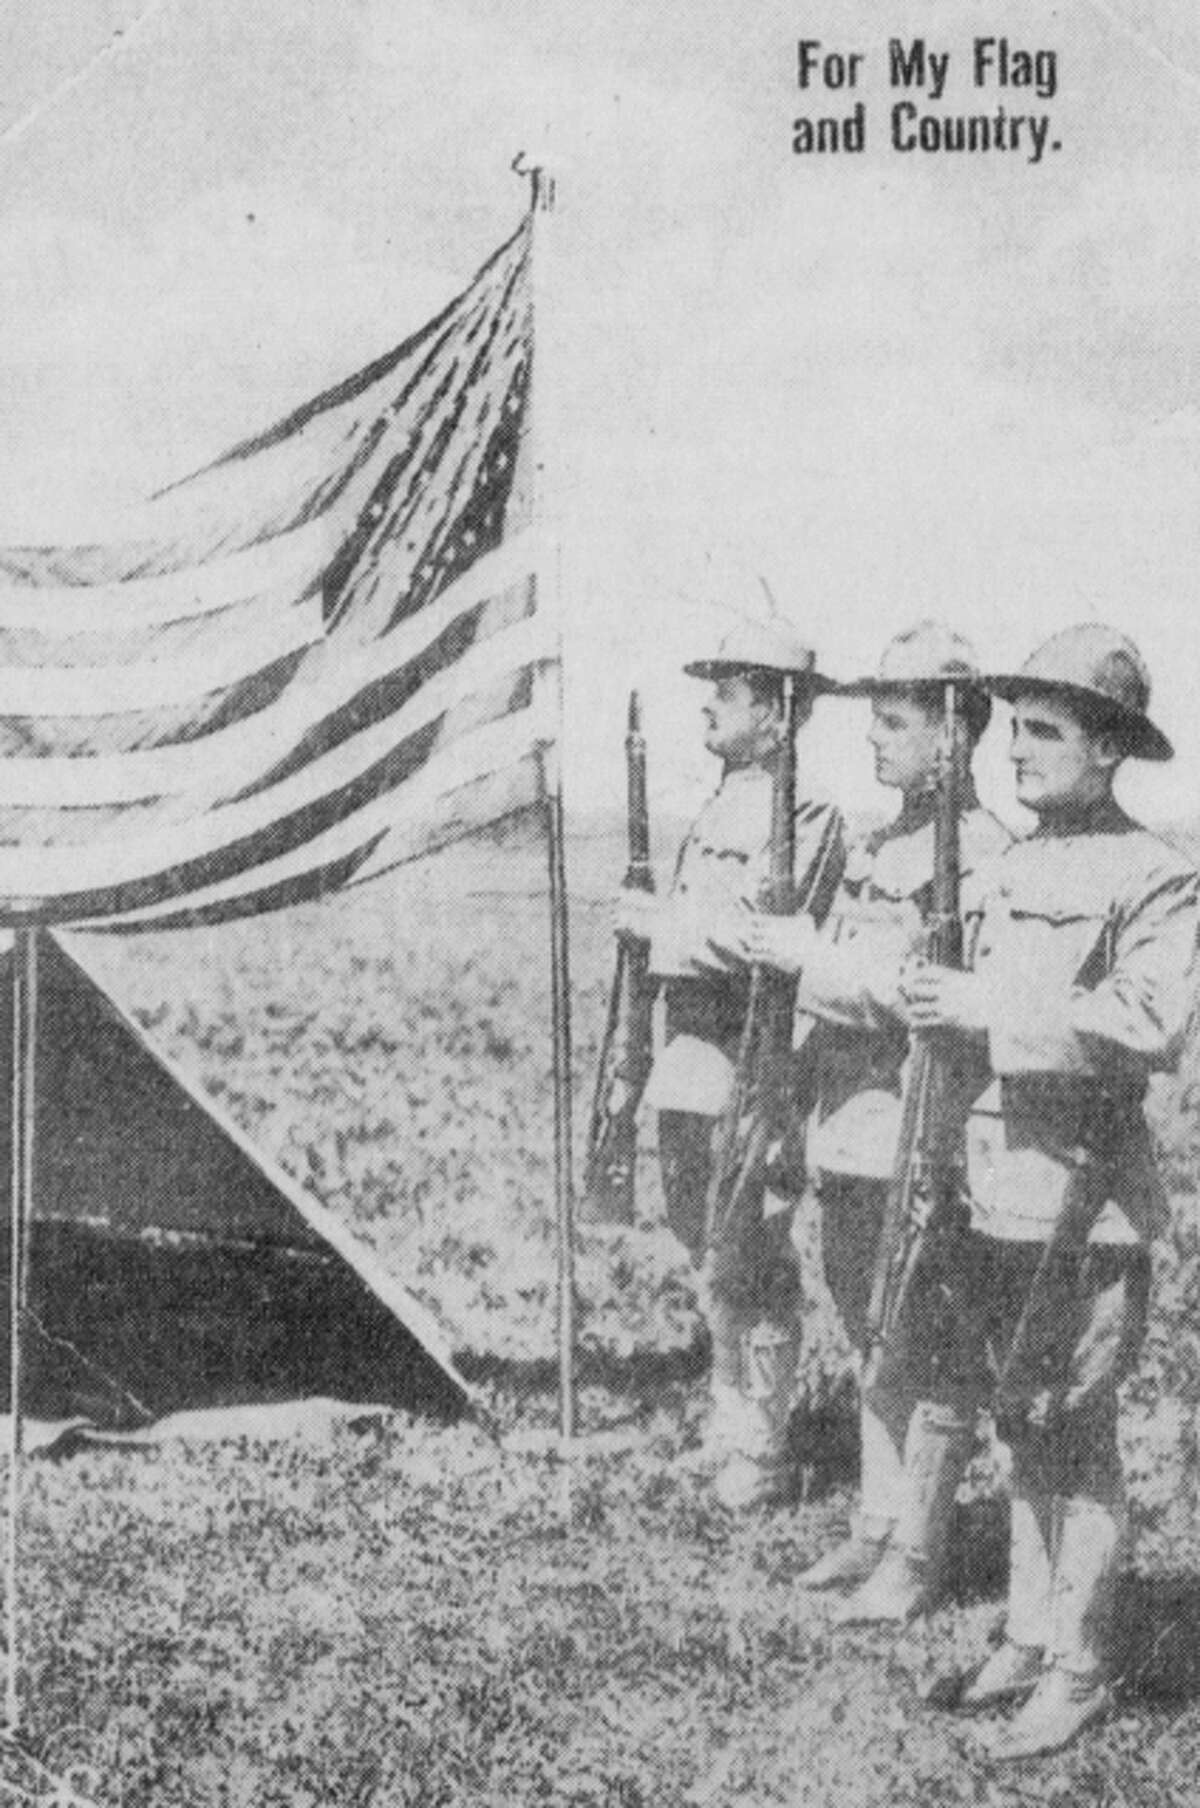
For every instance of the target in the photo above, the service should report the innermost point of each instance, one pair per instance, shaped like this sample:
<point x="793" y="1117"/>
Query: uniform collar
<point x="917" y="811"/>
<point x="1106" y="817"/>
<point x="755" y="773"/>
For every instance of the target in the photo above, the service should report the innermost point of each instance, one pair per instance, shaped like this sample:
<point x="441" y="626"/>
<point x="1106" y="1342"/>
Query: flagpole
<point x="541" y="201"/>
<point x="24" y="1103"/>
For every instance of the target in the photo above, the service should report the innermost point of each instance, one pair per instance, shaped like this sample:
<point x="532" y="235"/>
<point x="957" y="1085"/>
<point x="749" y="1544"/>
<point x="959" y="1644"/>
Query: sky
<point x="895" y="386"/>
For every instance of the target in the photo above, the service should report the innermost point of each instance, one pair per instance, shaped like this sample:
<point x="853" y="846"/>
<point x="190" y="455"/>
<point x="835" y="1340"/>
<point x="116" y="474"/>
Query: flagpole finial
<point x="541" y="183"/>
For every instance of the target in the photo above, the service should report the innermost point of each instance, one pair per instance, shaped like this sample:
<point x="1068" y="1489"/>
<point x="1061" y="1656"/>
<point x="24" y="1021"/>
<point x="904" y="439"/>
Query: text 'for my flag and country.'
<point x="922" y="117"/>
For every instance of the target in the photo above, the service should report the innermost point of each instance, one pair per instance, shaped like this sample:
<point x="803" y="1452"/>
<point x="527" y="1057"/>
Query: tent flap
<point x="172" y="1268"/>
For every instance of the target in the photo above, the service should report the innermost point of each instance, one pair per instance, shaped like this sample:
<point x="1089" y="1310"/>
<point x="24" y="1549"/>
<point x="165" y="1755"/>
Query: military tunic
<point x="850" y="991"/>
<point x="722" y="868"/>
<point x="850" y="985"/>
<point x="1085" y="942"/>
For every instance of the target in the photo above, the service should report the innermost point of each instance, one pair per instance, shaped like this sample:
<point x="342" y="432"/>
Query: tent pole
<point x="24" y="1057"/>
<point x="560" y="1009"/>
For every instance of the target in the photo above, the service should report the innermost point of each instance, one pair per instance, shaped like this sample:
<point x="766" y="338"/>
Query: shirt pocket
<point x="1071" y="946"/>
<point x="1051" y="931"/>
<point x="1042" y="940"/>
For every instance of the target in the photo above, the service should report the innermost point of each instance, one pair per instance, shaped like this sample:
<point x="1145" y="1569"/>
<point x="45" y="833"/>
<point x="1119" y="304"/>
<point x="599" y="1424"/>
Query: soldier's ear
<point x="771" y="702"/>
<point x="1110" y="748"/>
<point x="776" y="716"/>
<point x="1109" y="743"/>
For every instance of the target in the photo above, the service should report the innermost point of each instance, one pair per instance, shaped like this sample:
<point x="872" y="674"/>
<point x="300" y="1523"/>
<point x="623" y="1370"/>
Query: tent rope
<point x="52" y="1338"/>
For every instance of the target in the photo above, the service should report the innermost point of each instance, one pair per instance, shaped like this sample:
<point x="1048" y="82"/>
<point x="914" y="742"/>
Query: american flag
<point x="324" y="656"/>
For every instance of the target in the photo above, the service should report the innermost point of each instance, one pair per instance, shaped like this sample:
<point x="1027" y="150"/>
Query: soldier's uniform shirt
<point x="850" y="984"/>
<point x="1085" y="942"/>
<point x="723" y="865"/>
<point x="849" y="993"/>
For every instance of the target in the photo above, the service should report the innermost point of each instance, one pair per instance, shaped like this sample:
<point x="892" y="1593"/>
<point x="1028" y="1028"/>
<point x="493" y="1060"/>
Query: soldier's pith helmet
<point x="771" y="646"/>
<point x="929" y="653"/>
<point x="1100" y="668"/>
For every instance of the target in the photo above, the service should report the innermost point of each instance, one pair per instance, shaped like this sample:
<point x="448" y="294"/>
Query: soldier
<point x="719" y="875"/>
<point x="849" y="986"/>
<point x="1084" y="942"/>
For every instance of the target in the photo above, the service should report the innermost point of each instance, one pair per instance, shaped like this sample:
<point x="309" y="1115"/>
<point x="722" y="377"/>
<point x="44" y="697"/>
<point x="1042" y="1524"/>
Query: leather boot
<point x="850" y="1563"/>
<point x="1091" y="1543"/>
<point x="1073" y="1693"/>
<point x="1008" y="1674"/>
<point x="1060" y="1708"/>
<point x="758" y="1474"/>
<point x="1032" y="1540"/>
<point x="723" y="1429"/>
<point x="720" y="1433"/>
<point x="899" y="1591"/>
<point x="883" y="1420"/>
<point x="911" y="1578"/>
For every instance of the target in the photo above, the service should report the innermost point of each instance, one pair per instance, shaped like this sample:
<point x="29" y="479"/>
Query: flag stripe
<point x="284" y="568"/>
<point x="289" y="669"/>
<point x="278" y="835"/>
<point x="276" y="626"/>
<point x="307" y="887"/>
<point x="221" y="763"/>
<point x="259" y="642"/>
<point x="76" y="737"/>
<point x="479" y="803"/>
<point x="388" y="694"/>
<point x="499" y="761"/>
<point x="510" y="640"/>
<point x="482" y="803"/>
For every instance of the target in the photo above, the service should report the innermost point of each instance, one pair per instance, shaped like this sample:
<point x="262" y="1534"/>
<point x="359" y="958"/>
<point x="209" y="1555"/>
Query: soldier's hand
<point x="726" y="934"/>
<point x="635" y="914"/>
<point x="760" y="940"/>
<point x="941" y="998"/>
<point x="783" y="943"/>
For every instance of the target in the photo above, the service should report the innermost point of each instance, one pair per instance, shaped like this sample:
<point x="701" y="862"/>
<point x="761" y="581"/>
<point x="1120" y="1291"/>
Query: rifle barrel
<point x="626" y="1048"/>
<point x="639" y="873"/>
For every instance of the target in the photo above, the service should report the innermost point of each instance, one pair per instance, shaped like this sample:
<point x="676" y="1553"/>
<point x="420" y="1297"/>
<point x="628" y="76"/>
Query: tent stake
<point x="24" y="1056"/>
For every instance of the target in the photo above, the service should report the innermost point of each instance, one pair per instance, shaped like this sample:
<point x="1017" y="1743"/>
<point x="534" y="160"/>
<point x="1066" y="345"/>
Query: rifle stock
<point x="925" y="1211"/>
<point x="626" y="1051"/>
<point x="1033" y="1379"/>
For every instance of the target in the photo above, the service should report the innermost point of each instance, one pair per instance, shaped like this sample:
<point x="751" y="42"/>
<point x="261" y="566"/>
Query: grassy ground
<point x="396" y="1614"/>
<point x="390" y="1613"/>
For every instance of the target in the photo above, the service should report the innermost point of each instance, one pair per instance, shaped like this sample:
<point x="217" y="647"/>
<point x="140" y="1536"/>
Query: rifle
<point x="1032" y="1385"/>
<point x="925" y="1217"/>
<point x="626" y="1050"/>
<point x="751" y="1128"/>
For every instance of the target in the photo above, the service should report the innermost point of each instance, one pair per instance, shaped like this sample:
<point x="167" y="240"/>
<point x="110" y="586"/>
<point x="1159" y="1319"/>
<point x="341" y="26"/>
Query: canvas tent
<point x="170" y="1265"/>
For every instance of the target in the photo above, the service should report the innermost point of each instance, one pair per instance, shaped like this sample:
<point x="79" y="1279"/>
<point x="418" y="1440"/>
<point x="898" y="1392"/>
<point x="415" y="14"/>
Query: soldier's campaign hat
<point x="1101" y="669"/>
<point x="929" y="653"/>
<point x="767" y="646"/>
